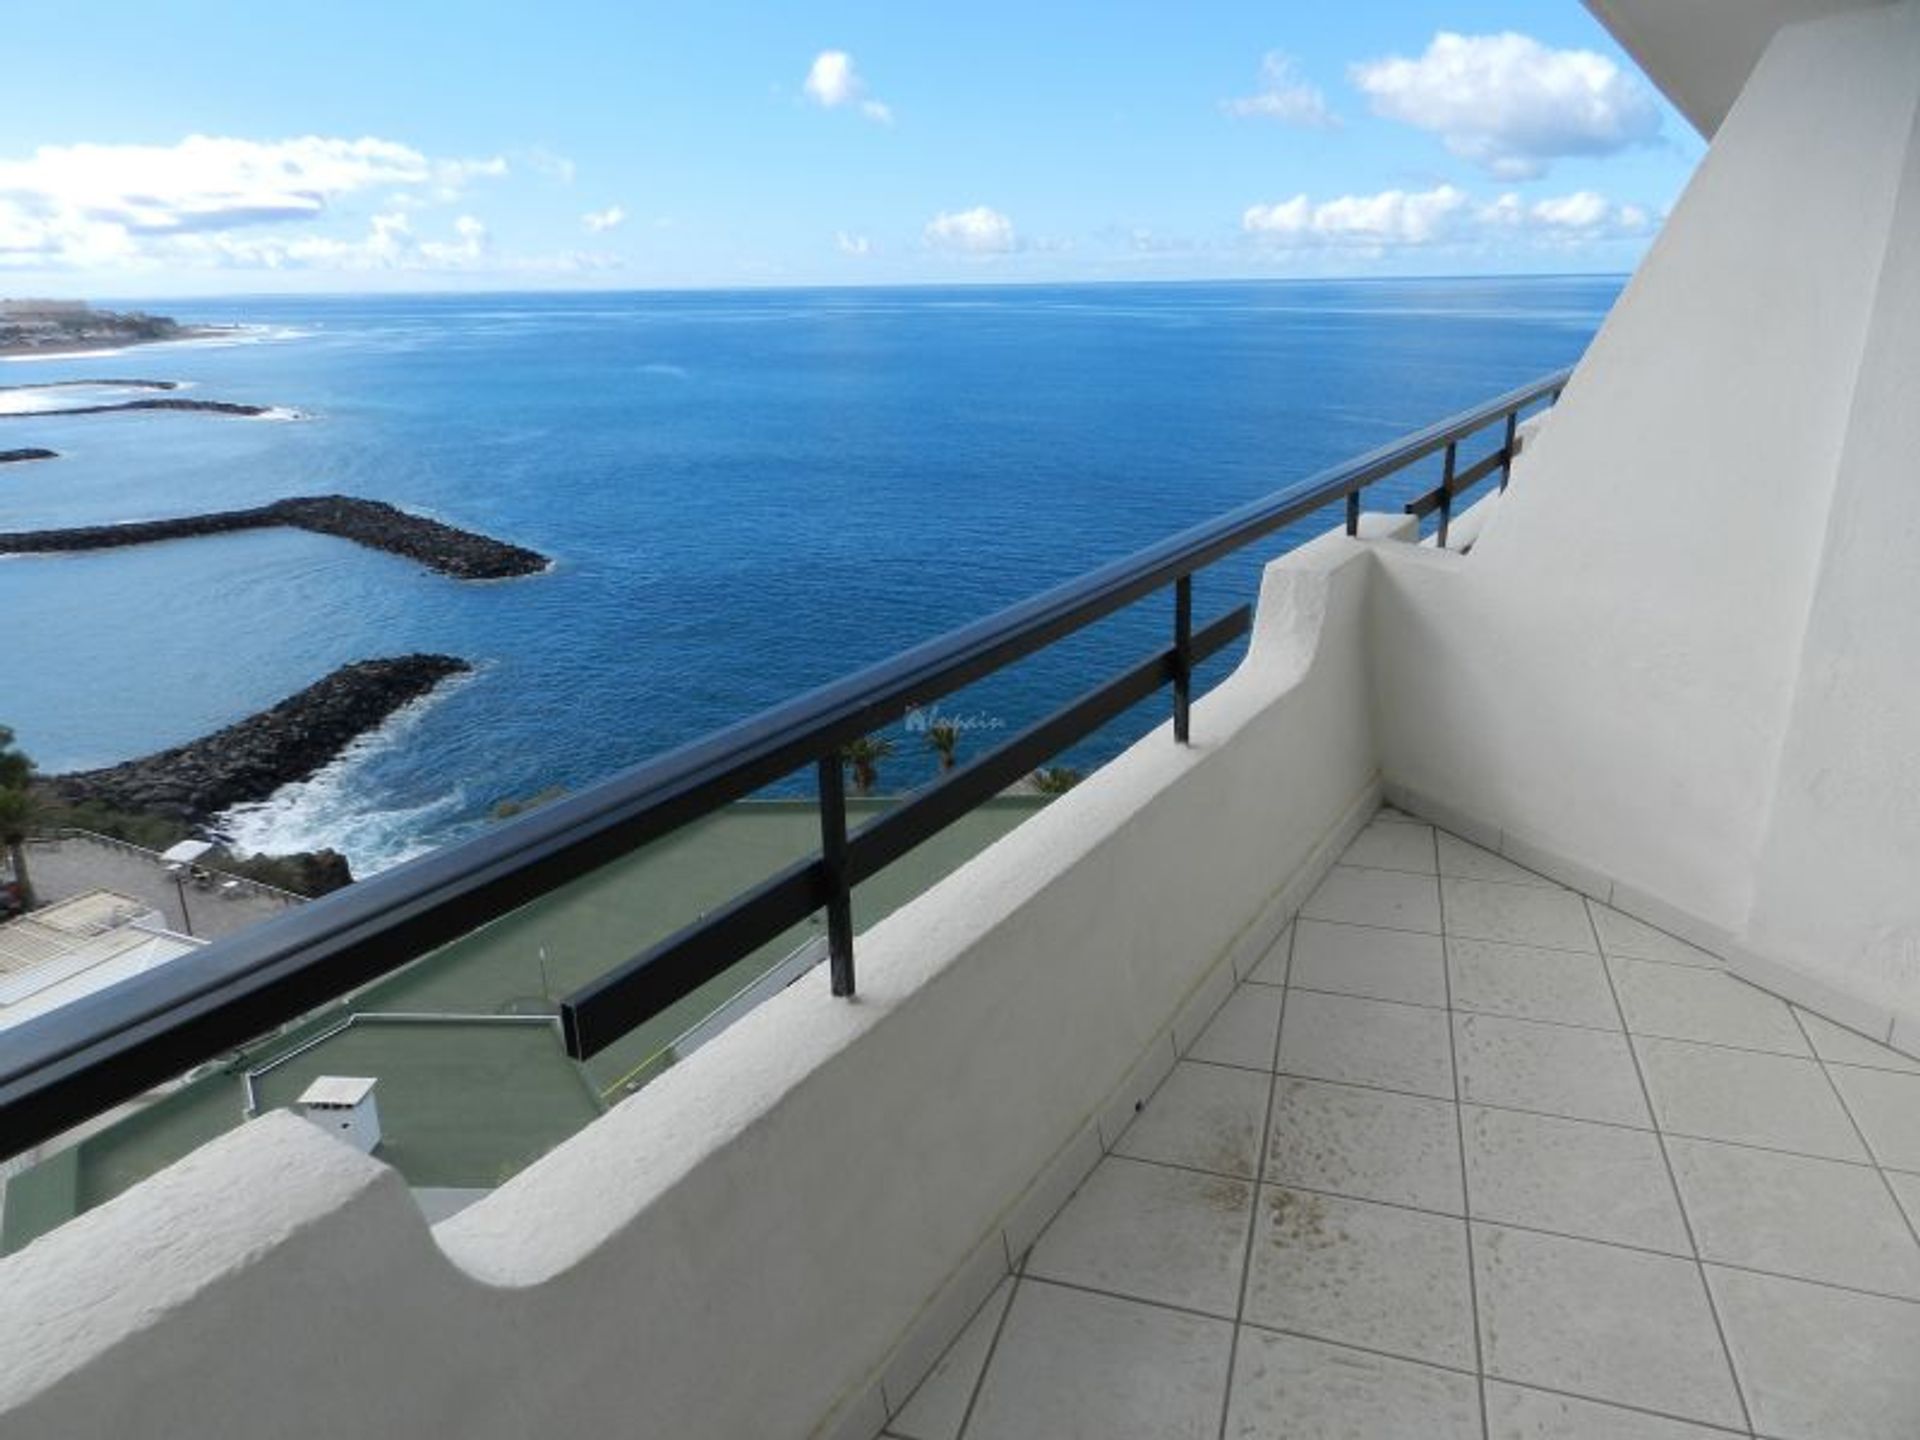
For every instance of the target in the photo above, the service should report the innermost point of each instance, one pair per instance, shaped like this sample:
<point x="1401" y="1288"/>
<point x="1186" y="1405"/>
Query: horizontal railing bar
<point x="610" y="1006"/>
<point x="604" y="1009"/>
<point x="105" y="1048"/>
<point x="1425" y="505"/>
<point x="886" y="838"/>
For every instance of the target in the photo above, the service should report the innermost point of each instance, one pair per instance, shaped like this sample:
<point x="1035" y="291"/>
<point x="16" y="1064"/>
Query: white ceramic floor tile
<point x="1369" y="962"/>
<point x="1887" y="1105"/>
<point x="1623" y="935"/>
<point x="1208" y="1117"/>
<point x="1392" y="845"/>
<point x="1465" y="861"/>
<point x="1599" y="1182"/>
<point x="1556" y="1069"/>
<point x="1378" y="1276"/>
<point x="1307" y="1390"/>
<point x="1391" y="899"/>
<point x="1369" y="1144"/>
<point x="1272" y="966"/>
<point x="1821" y="1363"/>
<point x="1814" y="1219"/>
<point x="1243" y="1031"/>
<point x="1070" y="1363"/>
<point x="1516" y="914"/>
<point x="1176" y="1237"/>
<point x="1906" y="1189"/>
<point x="1366" y="1042"/>
<point x="1599" y="1321"/>
<point x="1516" y="1413"/>
<point x="1840" y="1046"/>
<point x="1528" y="983"/>
<point x="939" y="1405"/>
<point x="1685" y="1002"/>
<point x="1751" y="1099"/>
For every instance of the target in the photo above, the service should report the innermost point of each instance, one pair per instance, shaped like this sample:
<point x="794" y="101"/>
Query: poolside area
<point x="465" y="1103"/>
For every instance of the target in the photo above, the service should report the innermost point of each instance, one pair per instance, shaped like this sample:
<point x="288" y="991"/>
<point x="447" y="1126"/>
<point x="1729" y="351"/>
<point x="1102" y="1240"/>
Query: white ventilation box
<point x="342" y="1105"/>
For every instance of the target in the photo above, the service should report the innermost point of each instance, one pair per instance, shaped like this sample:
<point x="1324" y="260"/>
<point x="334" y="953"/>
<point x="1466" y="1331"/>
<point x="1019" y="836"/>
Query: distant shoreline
<point x="65" y="348"/>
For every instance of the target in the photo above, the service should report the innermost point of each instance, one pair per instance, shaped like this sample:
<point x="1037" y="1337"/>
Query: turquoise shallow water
<point x="746" y="494"/>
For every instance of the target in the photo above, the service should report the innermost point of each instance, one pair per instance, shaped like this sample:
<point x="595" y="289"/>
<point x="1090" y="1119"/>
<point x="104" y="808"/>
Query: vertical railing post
<point x="833" y="853"/>
<point x="1506" y="455"/>
<point x="1446" y="493"/>
<point x="1182" y="656"/>
<point x="1353" y="512"/>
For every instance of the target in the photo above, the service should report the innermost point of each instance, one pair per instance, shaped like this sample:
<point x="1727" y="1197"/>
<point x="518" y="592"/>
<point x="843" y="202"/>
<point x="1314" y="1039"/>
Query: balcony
<point x="1574" y="1095"/>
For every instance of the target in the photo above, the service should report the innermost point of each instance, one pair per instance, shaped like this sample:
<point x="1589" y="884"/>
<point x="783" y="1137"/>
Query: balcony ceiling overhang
<point x="1700" y="52"/>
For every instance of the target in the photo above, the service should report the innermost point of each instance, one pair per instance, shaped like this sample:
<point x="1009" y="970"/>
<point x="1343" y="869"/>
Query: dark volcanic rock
<point x="212" y="407"/>
<point x="374" y="523"/>
<point x="7" y="457"/>
<point x="252" y="759"/>
<point x="459" y="553"/>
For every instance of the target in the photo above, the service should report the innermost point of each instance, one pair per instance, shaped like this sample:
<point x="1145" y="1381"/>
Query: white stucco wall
<point x="1643" y="649"/>
<point x="733" y="1251"/>
<point x="1838" y="892"/>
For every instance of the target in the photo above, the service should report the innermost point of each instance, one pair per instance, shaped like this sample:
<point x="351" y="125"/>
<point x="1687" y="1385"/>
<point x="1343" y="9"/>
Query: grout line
<point x="1555" y="1114"/>
<point x="1866" y="1144"/>
<point x="1521" y="1225"/>
<point x="1680" y="1199"/>
<point x="993" y="1348"/>
<point x="1466" y="1192"/>
<point x="1395" y="1355"/>
<point x="1708" y="1425"/>
<point x="1802" y="1011"/>
<point x="1253" y="1215"/>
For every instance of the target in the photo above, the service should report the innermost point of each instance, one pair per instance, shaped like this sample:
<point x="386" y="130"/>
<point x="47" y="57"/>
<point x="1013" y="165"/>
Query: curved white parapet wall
<point x="1683" y="653"/>
<point x="739" y="1249"/>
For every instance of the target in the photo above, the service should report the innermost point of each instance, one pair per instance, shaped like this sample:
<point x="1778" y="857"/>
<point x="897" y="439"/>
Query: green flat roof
<point x="467" y="1105"/>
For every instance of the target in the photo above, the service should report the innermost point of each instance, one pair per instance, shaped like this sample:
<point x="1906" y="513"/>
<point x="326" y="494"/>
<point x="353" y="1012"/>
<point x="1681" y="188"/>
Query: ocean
<point x="746" y="494"/>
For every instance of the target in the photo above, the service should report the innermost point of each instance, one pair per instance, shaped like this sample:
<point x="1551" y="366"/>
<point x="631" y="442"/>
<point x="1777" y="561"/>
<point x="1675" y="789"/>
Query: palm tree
<point x="863" y="757"/>
<point x="1055" y="779"/>
<point x="943" y="738"/>
<point x="19" y="807"/>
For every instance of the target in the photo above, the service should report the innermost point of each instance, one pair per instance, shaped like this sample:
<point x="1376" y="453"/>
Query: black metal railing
<point x="95" y="1052"/>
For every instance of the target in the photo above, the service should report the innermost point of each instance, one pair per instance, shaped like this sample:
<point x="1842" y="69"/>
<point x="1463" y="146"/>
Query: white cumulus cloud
<point x="1585" y="214"/>
<point x="1509" y="104"/>
<point x="1392" y="217"/>
<point x="598" y="222"/>
<point x="1441" y="216"/>
<point x="84" y="205"/>
<point x="858" y="246"/>
<point x="979" y="231"/>
<point x="833" y="82"/>
<point x="1285" y="96"/>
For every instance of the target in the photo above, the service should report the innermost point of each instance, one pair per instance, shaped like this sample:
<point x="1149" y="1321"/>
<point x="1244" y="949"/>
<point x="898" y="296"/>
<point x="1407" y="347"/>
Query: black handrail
<point x="95" y="1052"/>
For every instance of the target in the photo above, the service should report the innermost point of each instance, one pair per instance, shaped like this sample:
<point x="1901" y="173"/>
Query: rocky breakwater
<point x="210" y="407"/>
<point x="459" y="553"/>
<point x="248" y="761"/>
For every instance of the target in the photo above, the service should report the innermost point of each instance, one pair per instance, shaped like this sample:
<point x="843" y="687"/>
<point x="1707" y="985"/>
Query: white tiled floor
<point x="1471" y="1156"/>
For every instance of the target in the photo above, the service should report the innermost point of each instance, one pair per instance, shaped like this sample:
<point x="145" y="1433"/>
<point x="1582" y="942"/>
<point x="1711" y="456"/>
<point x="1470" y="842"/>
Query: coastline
<point x="75" y="348"/>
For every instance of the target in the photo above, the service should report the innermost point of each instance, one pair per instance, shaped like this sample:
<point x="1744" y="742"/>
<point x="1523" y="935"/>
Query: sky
<point x="190" y="147"/>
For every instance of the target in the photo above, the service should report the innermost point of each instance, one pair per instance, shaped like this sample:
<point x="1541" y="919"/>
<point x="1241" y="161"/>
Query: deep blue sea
<point x="746" y="494"/>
